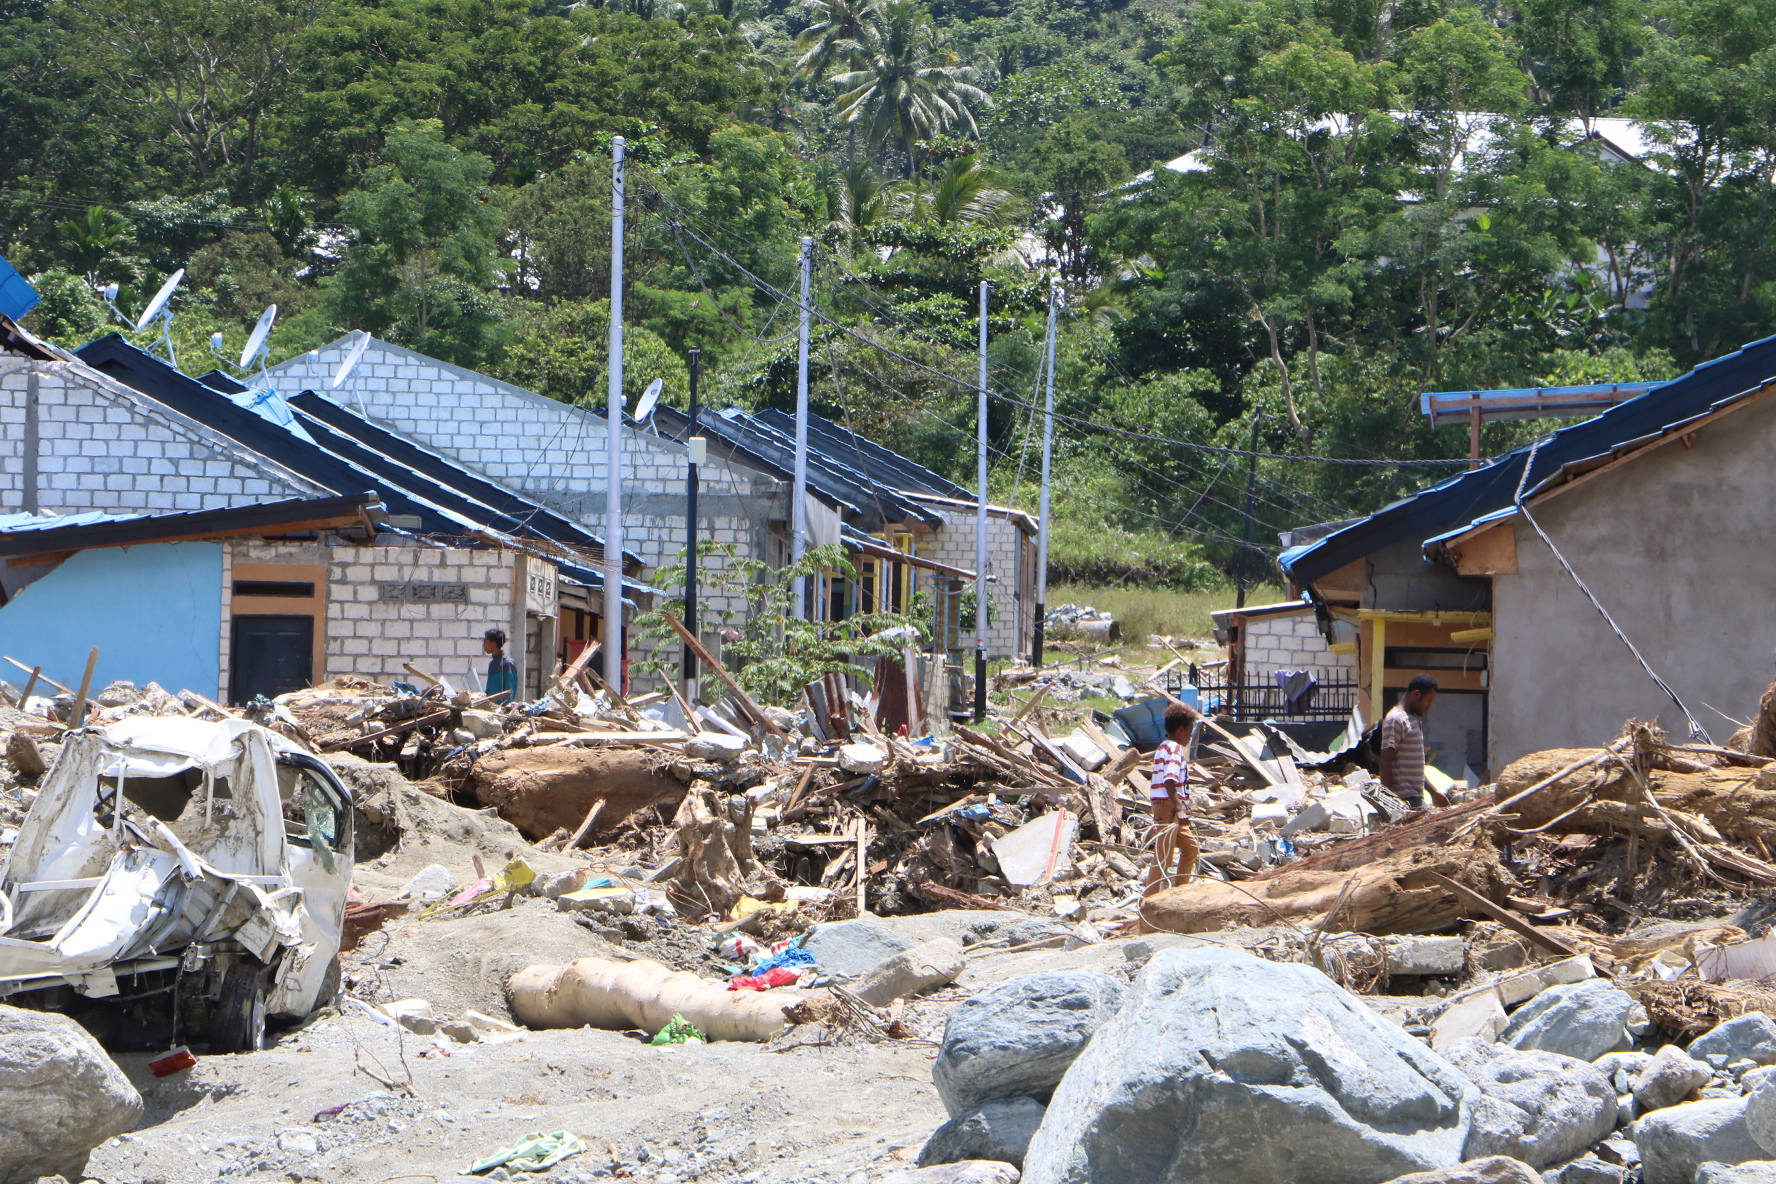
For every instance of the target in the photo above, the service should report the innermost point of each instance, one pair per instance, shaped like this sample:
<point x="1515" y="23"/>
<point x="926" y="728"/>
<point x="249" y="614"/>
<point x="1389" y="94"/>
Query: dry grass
<point x="1145" y="611"/>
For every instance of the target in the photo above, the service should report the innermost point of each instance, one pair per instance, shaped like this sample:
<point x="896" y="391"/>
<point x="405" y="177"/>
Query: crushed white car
<point x="179" y="872"/>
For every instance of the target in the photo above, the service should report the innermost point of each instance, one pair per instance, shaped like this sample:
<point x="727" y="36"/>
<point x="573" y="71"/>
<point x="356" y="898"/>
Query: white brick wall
<point x="551" y="452"/>
<point x="103" y="446"/>
<point x="374" y="638"/>
<point x="953" y="544"/>
<point x="1289" y="642"/>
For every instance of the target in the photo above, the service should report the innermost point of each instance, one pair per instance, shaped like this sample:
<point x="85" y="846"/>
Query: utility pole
<point x="798" y="536"/>
<point x="694" y="446"/>
<point x="1048" y="427"/>
<point x="1251" y="488"/>
<point x="613" y="505"/>
<point x="980" y="523"/>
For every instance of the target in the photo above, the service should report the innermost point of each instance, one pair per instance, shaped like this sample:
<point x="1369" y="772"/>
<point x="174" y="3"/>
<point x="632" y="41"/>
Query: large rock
<point x="60" y="1096"/>
<point x="1668" y="1079"/>
<point x="1587" y="1169"/>
<point x="1224" y="1067"/>
<point x="922" y="968"/>
<point x="1494" y="1169"/>
<point x="853" y="947"/>
<point x="973" y="1172"/>
<point x="1761" y="1171"/>
<point x="1582" y="1020"/>
<point x="1760" y="1115"/>
<point x="999" y="1130"/>
<point x="1675" y="1141"/>
<point x="1539" y="1107"/>
<point x="1750" y="1037"/>
<point x="1018" y="1038"/>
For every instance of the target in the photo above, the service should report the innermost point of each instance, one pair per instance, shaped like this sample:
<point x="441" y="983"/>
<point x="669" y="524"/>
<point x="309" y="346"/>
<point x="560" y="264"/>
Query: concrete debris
<point x="60" y="1094"/>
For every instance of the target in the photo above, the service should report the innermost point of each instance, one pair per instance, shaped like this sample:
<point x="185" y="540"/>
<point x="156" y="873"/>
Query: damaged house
<point x="213" y="539"/>
<point x="1511" y="582"/>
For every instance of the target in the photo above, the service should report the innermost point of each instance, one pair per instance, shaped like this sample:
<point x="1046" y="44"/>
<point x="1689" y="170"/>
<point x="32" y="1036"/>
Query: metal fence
<point x="1332" y="698"/>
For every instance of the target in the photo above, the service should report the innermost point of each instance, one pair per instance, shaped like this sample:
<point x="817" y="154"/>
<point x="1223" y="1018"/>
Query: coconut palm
<point x="962" y="192"/>
<point x="832" y="23"/>
<point x="905" y="83"/>
<point x="857" y="195"/>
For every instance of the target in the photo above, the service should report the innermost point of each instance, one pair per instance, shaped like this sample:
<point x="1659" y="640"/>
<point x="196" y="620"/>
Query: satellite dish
<point x="160" y="299"/>
<point x="649" y="397"/>
<point x="110" y="292"/>
<point x="353" y="356"/>
<point x="216" y="342"/>
<point x="257" y="341"/>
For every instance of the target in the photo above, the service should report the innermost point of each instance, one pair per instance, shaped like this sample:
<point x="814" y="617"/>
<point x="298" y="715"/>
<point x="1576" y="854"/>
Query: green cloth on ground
<point x="679" y="1030"/>
<point x="532" y="1153"/>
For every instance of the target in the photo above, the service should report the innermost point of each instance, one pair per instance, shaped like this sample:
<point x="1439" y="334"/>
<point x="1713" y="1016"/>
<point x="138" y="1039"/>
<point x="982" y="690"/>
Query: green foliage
<point x="772" y="653"/>
<point x="70" y="313"/>
<point x="563" y="351"/>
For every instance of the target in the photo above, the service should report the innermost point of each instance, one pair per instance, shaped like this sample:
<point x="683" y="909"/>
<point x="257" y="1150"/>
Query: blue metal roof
<point x="1462" y="500"/>
<point x="17" y="296"/>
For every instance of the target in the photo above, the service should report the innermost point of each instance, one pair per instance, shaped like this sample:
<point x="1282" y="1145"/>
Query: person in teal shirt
<point x="502" y="672"/>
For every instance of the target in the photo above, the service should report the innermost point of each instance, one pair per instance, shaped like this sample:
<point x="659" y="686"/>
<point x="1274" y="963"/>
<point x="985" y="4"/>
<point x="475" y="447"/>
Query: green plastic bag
<point x="679" y="1030"/>
<point x="532" y="1153"/>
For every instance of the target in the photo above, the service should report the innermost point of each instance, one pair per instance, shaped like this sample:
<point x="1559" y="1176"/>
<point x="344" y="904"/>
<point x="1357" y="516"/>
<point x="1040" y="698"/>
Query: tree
<point x="206" y="74"/>
<point x="94" y="242"/>
<point x="1579" y="52"/>
<point x="905" y="83"/>
<point x="563" y="351"/>
<point x="1078" y="166"/>
<point x="420" y="263"/>
<point x="835" y="25"/>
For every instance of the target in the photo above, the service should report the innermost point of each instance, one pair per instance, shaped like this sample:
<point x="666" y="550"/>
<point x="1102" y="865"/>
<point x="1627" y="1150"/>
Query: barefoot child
<point x="1171" y="801"/>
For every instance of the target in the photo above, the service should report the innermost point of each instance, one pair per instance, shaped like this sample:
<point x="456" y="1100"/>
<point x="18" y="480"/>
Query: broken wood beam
<point x="1510" y="919"/>
<point x="39" y="671"/>
<point x="752" y="709"/>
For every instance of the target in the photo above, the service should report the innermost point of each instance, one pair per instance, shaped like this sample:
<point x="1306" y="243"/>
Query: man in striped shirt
<point x="1403" y="744"/>
<point x="1171" y="801"/>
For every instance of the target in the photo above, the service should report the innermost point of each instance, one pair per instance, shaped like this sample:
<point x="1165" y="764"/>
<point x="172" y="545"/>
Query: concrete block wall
<point x="373" y="637"/>
<point x="1291" y="642"/>
<point x="101" y="446"/>
<point x="552" y="452"/>
<point x="953" y="544"/>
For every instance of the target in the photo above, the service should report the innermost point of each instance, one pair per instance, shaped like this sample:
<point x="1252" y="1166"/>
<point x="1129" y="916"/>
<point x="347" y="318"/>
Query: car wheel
<point x="239" y="1021"/>
<point x="329" y="992"/>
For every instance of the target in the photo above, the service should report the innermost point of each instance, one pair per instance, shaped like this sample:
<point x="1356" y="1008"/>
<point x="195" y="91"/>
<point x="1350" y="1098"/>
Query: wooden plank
<point x="1513" y="921"/>
<point x="52" y="682"/>
<point x="747" y="705"/>
<point x="78" y="717"/>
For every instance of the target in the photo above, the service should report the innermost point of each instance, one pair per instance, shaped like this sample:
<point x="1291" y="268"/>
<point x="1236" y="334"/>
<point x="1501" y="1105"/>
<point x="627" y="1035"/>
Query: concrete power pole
<point x="613" y="521"/>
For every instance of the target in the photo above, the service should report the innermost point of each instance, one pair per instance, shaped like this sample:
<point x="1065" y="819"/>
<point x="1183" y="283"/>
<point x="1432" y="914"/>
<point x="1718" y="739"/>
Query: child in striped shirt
<point x="1171" y="801"/>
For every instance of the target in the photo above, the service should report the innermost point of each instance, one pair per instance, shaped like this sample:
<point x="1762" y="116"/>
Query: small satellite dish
<point x="216" y="342"/>
<point x="160" y="299"/>
<point x="645" y="408"/>
<point x="110" y="292"/>
<point x="256" y="342"/>
<point x="353" y="356"/>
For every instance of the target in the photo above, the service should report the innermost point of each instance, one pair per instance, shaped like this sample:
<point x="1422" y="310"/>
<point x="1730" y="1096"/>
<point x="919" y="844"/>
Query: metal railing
<point x="1334" y="695"/>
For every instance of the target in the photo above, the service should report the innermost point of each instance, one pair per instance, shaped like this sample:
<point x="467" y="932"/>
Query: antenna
<point x="109" y="295"/>
<point x="256" y="343"/>
<point x="157" y="308"/>
<point x="353" y="356"/>
<point x="644" y="410"/>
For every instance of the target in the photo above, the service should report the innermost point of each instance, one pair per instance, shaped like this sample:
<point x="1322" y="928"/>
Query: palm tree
<point x="833" y="22"/>
<point x="963" y="192"/>
<point x="857" y="195"/>
<point x="904" y="82"/>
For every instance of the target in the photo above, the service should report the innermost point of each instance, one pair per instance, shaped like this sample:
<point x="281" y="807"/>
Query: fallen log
<point x="542" y="790"/>
<point x="642" y="994"/>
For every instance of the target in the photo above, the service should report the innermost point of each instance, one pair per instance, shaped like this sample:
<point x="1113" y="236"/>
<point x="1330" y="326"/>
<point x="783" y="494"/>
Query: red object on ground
<point x="176" y="1061"/>
<point x="777" y="976"/>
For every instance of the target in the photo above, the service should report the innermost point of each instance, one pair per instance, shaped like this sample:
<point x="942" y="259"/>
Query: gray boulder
<point x="999" y="1130"/>
<point x="1675" y="1141"/>
<point x="1018" y="1038"/>
<point x="974" y="1172"/>
<point x="1539" y="1107"/>
<point x="1494" y="1169"/>
<point x="1668" y="1079"/>
<point x="853" y="947"/>
<point x="1225" y="1067"/>
<point x="1583" y="1020"/>
<point x="1750" y="1037"/>
<point x="60" y="1096"/>
<point x="1760" y="1115"/>
<point x="923" y="968"/>
<point x="1623" y="1067"/>
<point x="1587" y="1169"/>
<point x="1761" y="1171"/>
